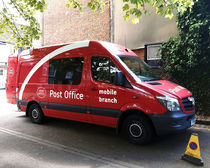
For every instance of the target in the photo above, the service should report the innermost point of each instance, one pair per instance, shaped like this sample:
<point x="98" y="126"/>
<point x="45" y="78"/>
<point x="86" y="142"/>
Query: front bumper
<point x="172" y="121"/>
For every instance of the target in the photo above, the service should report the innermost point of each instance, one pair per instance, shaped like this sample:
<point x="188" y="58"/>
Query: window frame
<point x="109" y="69"/>
<point x="65" y="72"/>
<point x="1" y="72"/>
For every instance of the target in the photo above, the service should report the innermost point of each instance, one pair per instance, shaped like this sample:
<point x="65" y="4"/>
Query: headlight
<point x="192" y="100"/>
<point x="169" y="103"/>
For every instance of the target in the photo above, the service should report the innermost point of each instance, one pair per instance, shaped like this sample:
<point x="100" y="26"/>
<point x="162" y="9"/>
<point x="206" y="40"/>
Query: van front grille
<point x="188" y="103"/>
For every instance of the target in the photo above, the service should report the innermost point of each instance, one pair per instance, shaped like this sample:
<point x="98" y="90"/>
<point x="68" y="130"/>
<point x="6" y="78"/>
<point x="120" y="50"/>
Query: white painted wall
<point x="5" y="51"/>
<point x="151" y="29"/>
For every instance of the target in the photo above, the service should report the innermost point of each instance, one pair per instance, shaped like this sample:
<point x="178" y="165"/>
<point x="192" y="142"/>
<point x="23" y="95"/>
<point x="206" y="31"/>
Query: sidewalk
<point x="4" y="105"/>
<point x="203" y="122"/>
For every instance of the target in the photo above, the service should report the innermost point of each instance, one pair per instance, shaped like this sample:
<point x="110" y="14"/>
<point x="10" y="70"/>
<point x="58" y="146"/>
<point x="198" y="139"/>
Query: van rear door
<point x="11" y="79"/>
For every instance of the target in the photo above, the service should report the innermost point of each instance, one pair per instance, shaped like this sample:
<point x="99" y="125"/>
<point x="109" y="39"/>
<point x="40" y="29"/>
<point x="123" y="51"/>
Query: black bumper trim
<point x="172" y="121"/>
<point x="63" y="107"/>
<point x="21" y="102"/>
<point x="77" y="109"/>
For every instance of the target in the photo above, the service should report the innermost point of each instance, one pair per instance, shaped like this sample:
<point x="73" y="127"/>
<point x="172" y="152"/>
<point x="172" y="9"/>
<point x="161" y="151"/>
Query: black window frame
<point x="110" y="61"/>
<point x="1" y="72"/>
<point x="62" y="72"/>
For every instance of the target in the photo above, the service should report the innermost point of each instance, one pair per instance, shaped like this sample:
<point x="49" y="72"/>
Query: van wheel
<point x="137" y="129"/>
<point x="35" y="114"/>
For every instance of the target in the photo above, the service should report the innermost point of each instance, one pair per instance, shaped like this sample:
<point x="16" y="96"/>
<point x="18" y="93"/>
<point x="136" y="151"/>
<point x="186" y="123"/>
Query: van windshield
<point x="139" y="68"/>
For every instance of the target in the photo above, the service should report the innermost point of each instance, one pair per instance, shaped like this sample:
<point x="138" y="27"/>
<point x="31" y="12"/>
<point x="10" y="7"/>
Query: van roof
<point x="114" y="49"/>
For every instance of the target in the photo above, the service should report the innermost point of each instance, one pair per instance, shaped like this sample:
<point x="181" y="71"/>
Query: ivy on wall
<point x="186" y="58"/>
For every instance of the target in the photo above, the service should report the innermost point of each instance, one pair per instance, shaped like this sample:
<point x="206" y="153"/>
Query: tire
<point x="138" y="129"/>
<point x="35" y="114"/>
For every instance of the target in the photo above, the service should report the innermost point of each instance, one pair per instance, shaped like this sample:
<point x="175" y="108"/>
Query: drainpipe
<point x="111" y="21"/>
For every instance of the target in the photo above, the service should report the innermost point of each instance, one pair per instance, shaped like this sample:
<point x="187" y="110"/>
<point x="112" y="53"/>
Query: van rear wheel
<point x="35" y="114"/>
<point x="138" y="129"/>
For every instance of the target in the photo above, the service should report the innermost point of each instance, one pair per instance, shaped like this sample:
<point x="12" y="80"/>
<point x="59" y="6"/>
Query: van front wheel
<point x="137" y="129"/>
<point x="35" y="114"/>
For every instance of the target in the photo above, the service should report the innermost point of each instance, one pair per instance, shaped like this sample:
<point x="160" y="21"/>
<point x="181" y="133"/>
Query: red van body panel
<point x="11" y="79"/>
<point x="90" y="100"/>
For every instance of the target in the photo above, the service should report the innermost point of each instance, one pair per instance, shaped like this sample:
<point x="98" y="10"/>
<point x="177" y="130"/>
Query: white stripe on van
<point x="49" y="56"/>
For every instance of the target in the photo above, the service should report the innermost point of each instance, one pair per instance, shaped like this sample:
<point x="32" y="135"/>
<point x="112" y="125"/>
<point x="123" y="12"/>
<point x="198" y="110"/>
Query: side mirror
<point x="122" y="81"/>
<point x="120" y="78"/>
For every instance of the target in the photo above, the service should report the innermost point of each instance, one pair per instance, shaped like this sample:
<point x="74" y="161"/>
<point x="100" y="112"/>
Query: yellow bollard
<point x="192" y="153"/>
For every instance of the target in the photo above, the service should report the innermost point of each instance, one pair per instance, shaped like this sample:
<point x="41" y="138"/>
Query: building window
<point x="65" y="71"/>
<point x="152" y="54"/>
<point x="1" y="71"/>
<point x="104" y="70"/>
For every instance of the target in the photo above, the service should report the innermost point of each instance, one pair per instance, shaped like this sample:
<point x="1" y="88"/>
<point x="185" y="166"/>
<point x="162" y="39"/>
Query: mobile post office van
<point x="101" y="83"/>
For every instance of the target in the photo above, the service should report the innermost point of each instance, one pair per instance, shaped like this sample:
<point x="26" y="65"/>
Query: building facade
<point x="62" y="25"/>
<point x="6" y="49"/>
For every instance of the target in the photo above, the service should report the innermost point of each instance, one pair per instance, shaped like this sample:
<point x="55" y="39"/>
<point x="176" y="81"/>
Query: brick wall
<point x="140" y="52"/>
<point x="62" y="25"/>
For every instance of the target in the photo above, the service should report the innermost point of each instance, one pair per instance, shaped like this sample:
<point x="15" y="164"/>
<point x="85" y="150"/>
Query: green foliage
<point x="136" y="8"/>
<point x="75" y="4"/>
<point x="94" y="5"/>
<point x="186" y="58"/>
<point x="21" y="34"/>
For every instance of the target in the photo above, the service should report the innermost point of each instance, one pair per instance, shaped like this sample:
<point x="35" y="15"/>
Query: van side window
<point x="104" y="70"/>
<point x="65" y="71"/>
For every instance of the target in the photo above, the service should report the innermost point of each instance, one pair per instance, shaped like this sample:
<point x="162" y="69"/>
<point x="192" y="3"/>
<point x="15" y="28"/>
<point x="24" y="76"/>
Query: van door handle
<point x="93" y="89"/>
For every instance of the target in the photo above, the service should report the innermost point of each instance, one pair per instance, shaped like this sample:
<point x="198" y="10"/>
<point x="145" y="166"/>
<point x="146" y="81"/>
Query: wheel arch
<point x="130" y="112"/>
<point x="29" y="104"/>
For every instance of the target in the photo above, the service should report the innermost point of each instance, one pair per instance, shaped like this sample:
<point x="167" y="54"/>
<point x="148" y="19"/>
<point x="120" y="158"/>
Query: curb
<point x="203" y="122"/>
<point x="200" y="126"/>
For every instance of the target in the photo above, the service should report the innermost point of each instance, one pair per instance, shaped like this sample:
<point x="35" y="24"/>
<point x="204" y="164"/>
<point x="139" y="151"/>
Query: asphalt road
<point x="62" y="143"/>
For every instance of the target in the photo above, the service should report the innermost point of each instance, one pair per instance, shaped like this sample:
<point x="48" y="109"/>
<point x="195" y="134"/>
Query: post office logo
<point x="41" y="92"/>
<point x="176" y="89"/>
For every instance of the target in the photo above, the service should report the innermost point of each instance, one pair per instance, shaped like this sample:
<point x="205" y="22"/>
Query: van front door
<point x="105" y="96"/>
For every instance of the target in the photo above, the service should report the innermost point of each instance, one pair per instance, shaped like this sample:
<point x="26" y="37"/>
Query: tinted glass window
<point x="104" y="70"/>
<point x="65" y="71"/>
<point x="140" y="68"/>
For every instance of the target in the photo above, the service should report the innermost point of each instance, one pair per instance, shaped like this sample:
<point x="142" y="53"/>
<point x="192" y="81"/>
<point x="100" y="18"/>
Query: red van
<point x="101" y="83"/>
